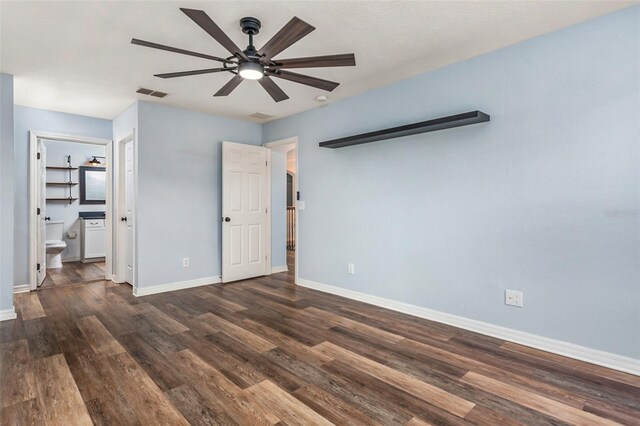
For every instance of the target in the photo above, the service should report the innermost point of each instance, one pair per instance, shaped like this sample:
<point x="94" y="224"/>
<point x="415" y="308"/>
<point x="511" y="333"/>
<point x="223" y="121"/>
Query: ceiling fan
<point x="252" y="64"/>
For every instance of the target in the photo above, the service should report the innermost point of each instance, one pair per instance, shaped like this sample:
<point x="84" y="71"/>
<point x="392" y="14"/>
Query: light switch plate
<point x="300" y="205"/>
<point x="350" y="269"/>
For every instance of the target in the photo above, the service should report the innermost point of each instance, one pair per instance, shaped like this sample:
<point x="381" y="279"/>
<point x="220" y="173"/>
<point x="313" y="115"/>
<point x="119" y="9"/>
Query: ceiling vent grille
<point x="260" y="116"/>
<point x="150" y="92"/>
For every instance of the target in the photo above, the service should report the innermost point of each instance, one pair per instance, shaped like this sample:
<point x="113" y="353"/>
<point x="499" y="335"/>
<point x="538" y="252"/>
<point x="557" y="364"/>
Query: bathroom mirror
<point x="93" y="185"/>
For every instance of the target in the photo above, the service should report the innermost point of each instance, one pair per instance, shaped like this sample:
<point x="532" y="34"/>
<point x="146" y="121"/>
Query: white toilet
<point x="54" y="242"/>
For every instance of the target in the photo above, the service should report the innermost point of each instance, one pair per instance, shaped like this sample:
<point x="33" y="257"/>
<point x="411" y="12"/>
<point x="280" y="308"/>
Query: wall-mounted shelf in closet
<point x="66" y="200"/>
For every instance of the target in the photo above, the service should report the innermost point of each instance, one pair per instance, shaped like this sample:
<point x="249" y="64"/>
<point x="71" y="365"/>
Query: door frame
<point x="34" y="136"/>
<point x="267" y="242"/>
<point x="119" y="275"/>
<point x="280" y="142"/>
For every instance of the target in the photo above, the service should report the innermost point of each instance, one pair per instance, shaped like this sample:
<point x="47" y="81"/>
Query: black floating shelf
<point x="457" y="120"/>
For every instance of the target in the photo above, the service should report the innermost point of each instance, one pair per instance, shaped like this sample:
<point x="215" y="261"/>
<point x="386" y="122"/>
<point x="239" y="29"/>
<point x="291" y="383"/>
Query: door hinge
<point x="266" y="163"/>
<point x="266" y="210"/>
<point x="38" y="266"/>
<point x="38" y="210"/>
<point x="38" y="156"/>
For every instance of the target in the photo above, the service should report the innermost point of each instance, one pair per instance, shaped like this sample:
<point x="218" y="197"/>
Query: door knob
<point x="227" y="219"/>
<point x="123" y="219"/>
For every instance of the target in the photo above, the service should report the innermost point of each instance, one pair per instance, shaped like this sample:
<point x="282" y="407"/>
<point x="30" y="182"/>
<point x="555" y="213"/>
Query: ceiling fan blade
<point x="194" y="72"/>
<point x="342" y="60"/>
<point x="207" y="24"/>
<point x="307" y="80"/>
<point x="228" y="88"/>
<point x="177" y="50"/>
<point x="273" y="89"/>
<point x="293" y="31"/>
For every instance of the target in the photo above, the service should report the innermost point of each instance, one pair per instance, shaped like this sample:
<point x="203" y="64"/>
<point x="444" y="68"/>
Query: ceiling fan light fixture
<point x="251" y="70"/>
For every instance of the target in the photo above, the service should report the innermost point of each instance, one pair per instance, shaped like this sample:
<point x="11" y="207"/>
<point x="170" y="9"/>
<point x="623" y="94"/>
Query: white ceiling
<point x="76" y="57"/>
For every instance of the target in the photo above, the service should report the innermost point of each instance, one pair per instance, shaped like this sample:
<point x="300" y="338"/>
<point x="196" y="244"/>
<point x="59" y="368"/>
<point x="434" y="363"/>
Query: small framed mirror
<point x="93" y="185"/>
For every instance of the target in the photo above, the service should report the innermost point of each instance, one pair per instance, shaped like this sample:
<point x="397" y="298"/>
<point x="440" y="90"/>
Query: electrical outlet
<point x="185" y="262"/>
<point x="513" y="298"/>
<point x="350" y="269"/>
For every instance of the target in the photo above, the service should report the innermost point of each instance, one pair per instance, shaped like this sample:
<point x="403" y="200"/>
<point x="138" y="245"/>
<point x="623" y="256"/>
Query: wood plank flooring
<point x="265" y="351"/>
<point x="73" y="273"/>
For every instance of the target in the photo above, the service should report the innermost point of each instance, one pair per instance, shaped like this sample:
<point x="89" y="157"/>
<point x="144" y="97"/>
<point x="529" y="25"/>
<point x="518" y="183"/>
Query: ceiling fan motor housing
<point x="250" y="26"/>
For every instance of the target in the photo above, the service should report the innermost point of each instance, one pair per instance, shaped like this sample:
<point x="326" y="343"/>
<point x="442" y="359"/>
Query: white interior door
<point x="42" y="205"/>
<point x="128" y="209"/>
<point x="245" y="203"/>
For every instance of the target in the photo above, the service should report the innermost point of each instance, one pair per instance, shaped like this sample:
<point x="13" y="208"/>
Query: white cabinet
<point x="93" y="240"/>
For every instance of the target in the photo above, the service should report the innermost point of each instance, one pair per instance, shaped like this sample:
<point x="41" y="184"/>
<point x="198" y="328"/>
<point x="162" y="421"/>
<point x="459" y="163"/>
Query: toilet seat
<point x="55" y="244"/>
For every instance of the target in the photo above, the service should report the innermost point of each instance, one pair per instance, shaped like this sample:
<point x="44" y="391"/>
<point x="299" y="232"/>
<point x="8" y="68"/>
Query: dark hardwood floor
<point x="265" y="351"/>
<point x="73" y="273"/>
<point x="291" y="263"/>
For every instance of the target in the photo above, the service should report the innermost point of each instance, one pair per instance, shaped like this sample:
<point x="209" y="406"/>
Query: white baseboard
<point x="22" y="288"/>
<point x="71" y="259"/>
<point x="8" y="314"/>
<point x="180" y="285"/>
<point x="582" y="353"/>
<point x="278" y="269"/>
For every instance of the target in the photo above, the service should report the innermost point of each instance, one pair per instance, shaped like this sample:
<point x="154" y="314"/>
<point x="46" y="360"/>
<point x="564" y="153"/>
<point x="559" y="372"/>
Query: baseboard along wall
<point x="8" y="314"/>
<point x="582" y="353"/>
<point x="179" y="285"/>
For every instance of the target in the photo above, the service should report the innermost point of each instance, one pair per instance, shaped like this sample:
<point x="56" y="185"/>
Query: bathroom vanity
<point x="92" y="239"/>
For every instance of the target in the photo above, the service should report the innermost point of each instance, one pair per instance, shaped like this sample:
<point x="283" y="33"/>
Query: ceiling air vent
<point x="260" y="115"/>
<point x="150" y="92"/>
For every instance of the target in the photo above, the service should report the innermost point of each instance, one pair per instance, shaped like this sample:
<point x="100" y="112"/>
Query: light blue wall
<point x="278" y="208"/>
<point x="543" y="199"/>
<point x="6" y="192"/>
<point x="125" y="122"/>
<point x="81" y="154"/>
<point x="179" y="187"/>
<point x="27" y="119"/>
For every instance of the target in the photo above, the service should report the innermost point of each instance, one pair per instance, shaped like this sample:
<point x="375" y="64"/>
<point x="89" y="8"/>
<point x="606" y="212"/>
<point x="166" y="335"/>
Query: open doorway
<point x="125" y="199"/>
<point x="70" y="209"/>
<point x="284" y="209"/>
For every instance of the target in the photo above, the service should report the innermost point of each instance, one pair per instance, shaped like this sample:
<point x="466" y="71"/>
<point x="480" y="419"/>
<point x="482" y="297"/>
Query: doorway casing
<point x="34" y="136"/>
<point x="119" y="275"/>
<point x="279" y="143"/>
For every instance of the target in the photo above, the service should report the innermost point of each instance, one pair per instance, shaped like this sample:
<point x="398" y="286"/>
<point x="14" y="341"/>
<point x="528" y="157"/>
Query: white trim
<point x="22" y="288"/>
<point x="71" y="259"/>
<point x="278" y="269"/>
<point x="267" y="266"/>
<point x="291" y="141"/>
<point x="119" y="233"/>
<point x="179" y="285"/>
<point x="33" y="195"/>
<point x="582" y="353"/>
<point x="8" y="314"/>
